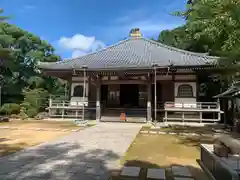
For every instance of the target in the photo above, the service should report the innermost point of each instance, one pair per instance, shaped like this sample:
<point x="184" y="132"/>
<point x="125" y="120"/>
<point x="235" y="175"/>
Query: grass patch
<point x="14" y="140"/>
<point x="40" y="124"/>
<point x="185" y="129"/>
<point x="164" y="151"/>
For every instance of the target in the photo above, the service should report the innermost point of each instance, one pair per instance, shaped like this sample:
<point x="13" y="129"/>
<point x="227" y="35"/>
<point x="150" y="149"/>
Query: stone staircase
<point x="132" y="115"/>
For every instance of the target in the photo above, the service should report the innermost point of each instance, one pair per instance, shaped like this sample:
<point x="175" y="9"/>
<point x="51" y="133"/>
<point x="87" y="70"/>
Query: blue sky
<point x="76" y="27"/>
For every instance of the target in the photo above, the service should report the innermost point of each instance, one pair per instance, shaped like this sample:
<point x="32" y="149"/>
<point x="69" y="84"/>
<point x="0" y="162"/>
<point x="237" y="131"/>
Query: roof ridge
<point x="101" y="50"/>
<point x="179" y="50"/>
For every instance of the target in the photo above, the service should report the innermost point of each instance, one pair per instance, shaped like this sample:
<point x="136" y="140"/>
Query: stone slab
<point x="152" y="132"/>
<point x="155" y="173"/>
<point x="181" y="171"/>
<point x="144" y="132"/>
<point x="183" y="178"/>
<point x="130" y="171"/>
<point x="162" y="133"/>
<point x="95" y="154"/>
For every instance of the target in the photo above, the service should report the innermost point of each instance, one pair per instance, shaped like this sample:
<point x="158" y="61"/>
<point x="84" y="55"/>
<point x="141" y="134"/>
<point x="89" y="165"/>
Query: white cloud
<point x="150" y="23"/>
<point x="78" y="53"/>
<point x="80" y="44"/>
<point x="78" y="41"/>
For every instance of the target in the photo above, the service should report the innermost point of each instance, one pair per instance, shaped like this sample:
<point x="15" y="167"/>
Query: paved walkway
<point x="85" y="155"/>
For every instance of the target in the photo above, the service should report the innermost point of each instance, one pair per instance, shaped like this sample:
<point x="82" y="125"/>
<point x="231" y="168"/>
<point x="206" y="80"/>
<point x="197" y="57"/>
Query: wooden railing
<point x="192" y="106"/>
<point x="70" y="109"/>
<point x="71" y="104"/>
<point x="190" y="111"/>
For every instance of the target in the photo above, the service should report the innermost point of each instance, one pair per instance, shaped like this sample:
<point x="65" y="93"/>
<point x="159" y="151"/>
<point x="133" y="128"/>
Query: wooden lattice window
<point x="185" y="90"/>
<point x="78" y="91"/>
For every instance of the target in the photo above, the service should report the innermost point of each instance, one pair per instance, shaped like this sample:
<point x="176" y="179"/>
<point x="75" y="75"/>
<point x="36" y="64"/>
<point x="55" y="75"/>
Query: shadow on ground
<point x="59" y="161"/>
<point x="6" y="149"/>
<point x="197" y="173"/>
<point x="195" y="141"/>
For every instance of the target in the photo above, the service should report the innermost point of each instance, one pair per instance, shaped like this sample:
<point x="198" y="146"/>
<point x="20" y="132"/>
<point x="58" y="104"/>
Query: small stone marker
<point x="183" y="178"/>
<point x="130" y="171"/>
<point x="152" y="132"/>
<point x="163" y="133"/>
<point x="144" y="132"/>
<point x="154" y="173"/>
<point x="181" y="171"/>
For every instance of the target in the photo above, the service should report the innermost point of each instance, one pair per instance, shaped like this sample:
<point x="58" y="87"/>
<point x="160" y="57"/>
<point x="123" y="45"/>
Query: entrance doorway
<point x="129" y="95"/>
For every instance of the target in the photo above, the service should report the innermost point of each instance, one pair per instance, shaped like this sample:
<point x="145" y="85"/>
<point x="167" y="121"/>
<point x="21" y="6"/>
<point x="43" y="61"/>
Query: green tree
<point x="212" y="26"/>
<point x="21" y="81"/>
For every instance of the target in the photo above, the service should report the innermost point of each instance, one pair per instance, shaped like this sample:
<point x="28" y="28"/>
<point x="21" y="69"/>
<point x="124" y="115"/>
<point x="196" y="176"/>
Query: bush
<point x="4" y="119"/>
<point x="23" y="114"/>
<point x="32" y="112"/>
<point x="10" y="108"/>
<point x="35" y="100"/>
<point x="41" y="115"/>
<point x="15" y="116"/>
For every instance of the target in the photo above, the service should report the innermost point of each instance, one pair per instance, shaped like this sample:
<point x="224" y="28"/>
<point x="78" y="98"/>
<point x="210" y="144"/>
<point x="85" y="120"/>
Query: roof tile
<point x="134" y="53"/>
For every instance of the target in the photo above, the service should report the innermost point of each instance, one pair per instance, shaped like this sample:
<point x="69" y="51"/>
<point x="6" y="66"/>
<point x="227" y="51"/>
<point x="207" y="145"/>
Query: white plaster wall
<point x="185" y="100"/>
<point x="74" y="100"/>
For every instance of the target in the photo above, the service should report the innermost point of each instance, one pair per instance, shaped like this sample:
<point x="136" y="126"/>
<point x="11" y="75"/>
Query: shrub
<point x="35" y="100"/>
<point x="23" y="114"/>
<point x="15" y="116"/>
<point x="4" y="119"/>
<point x="10" y="108"/>
<point x="41" y="115"/>
<point x="32" y="112"/>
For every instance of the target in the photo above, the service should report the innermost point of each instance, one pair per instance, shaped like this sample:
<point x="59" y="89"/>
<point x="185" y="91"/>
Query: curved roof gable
<point x="134" y="53"/>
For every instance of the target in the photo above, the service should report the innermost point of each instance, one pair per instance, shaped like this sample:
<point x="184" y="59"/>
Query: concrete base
<point x="205" y="169"/>
<point x="181" y="171"/>
<point x="183" y="178"/>
<point x="156" y="174"/>
<point x="130" y="171"/>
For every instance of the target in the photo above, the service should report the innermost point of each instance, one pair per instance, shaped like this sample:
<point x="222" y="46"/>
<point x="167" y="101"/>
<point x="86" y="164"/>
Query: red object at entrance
<point x="123" y="117"/>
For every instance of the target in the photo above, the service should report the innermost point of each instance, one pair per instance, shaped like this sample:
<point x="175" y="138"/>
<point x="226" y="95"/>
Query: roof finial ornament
<point x="135" y="32"/>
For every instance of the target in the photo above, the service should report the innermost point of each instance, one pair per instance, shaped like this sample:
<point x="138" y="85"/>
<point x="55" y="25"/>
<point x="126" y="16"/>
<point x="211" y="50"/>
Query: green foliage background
<point x="21" y="82"/>
<point x="212" y="27"/>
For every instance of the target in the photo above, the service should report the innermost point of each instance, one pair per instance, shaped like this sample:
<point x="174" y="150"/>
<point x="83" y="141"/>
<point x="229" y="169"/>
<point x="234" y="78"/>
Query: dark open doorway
<point x="104" y="93"/>
<point x="129" y="95"/>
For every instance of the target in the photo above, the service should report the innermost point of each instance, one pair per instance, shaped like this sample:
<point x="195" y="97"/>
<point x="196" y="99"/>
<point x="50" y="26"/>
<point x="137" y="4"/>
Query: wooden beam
<point x="125" y="82"/>
<point x="98" y="104"/>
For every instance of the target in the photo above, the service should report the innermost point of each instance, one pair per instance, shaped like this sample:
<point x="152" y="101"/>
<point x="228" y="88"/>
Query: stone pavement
<point x="85" y="155"/>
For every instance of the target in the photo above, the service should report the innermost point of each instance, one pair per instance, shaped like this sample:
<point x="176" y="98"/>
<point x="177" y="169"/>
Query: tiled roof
<point x="232" y="91"/>
<point x="133" y="53"/>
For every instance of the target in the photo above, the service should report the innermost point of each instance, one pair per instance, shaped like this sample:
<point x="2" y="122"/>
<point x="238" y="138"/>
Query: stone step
<point x="117" y="119"/>
<point x="181" y="171"/>
<point x="156" y="173"/>
<point x="130" y="171"/>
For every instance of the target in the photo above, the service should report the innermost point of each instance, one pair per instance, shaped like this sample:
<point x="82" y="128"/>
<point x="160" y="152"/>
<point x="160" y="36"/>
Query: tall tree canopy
<point x="212" y="26"/>
<point x="20" y="51"/>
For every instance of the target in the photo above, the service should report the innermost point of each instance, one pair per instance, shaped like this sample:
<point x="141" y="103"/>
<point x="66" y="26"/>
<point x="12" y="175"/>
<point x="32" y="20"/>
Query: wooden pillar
<point x="89" y="87"/>
<point x="149" y="101"/>
<point x="235" y="122"/>
<point x="173" y="83"/>
<point x="0" y="95"/>
<point x="98" y="105"/>
<point x="70" y="89"/>
<point x="50" y="106"/>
